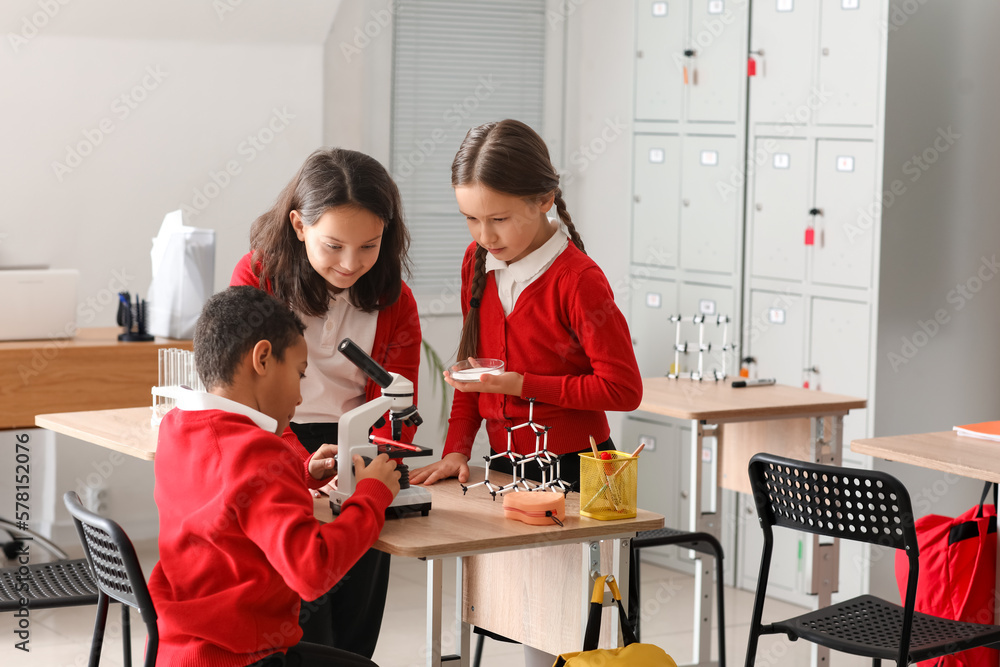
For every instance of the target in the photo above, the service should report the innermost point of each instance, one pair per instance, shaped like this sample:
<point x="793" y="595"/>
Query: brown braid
<point x="470" y="328"/>
<point x="568" y="221"/>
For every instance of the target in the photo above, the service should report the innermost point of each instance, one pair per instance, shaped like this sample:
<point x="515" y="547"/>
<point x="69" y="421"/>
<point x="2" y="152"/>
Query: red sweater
<point x="568" y="339"/>
<point x="396" y="346"/>
<point x="239" y="544"/>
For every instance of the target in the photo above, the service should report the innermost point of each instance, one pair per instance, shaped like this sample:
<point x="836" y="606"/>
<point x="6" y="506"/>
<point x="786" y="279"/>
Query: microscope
<point x="353" y="435"/>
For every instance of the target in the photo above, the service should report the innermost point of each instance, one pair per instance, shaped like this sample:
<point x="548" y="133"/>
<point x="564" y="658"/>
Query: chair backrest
<point x="113" y="560"/>
<point x="860" y="505"/>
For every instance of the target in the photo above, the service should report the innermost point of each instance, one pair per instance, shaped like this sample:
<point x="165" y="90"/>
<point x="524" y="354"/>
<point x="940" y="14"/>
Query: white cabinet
<point x="655" y="199"/>
<point x="851" y="47"/>
<point x="710" y="215"/>
<point x="661" y="31"/>
<point x="653" y="301"/>
<point x="782" y="197"/>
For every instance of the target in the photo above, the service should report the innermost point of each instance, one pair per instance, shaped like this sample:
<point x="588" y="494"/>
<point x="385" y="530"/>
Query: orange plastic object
<point x="536" y="508"/>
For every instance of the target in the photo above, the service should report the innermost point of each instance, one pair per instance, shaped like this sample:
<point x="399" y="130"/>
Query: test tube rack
<point x="177" y="373"/>
<point x="549" y="464"/>
<point x="700" y="320"/>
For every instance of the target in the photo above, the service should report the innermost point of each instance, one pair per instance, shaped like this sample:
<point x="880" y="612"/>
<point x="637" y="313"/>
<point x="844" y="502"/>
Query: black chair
<point x="864" y="506"/>
<point x="703" y="543"/>
<point x="63" y="582"/>
<point x="118" y="576"/>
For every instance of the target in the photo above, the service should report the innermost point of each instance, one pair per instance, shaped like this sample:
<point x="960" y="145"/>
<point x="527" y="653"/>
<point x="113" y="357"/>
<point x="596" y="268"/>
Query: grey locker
<point x="839" y="348"/>
<point x="662" y="477"/>
<point x="709" y="212"/>
<point x="660" y="31"/>
<point x="718" y="38"/>
<point x="710" y="301"/>
<point x="789" y="560"/>
<point x="849" y="62"/>
<point x="653" y="301"/>
<point x="656" y="200"/>
<point x="783" y="44"/>
<point x="845" y="189"/>
<point x="776" y="335"/>
<point x="779" y="212"/>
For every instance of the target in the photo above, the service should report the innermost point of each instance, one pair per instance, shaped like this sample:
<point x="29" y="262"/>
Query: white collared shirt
<point x="333" y="385"/>
<point x="512" y="278"/>
<point x="192" y="401"/>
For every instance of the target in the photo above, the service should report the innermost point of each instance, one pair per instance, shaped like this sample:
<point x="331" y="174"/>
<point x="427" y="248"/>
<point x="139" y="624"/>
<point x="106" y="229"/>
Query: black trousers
<point x="349" y="615"/>
<point x="304" y="654"/>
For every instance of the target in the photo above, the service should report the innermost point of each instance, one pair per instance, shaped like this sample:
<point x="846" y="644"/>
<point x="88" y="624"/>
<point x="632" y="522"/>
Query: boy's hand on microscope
<point x="323" y="462"/>
<point x="504" y="383"/>
<point x="381" y="468"/>
<point x="452" y="465"/>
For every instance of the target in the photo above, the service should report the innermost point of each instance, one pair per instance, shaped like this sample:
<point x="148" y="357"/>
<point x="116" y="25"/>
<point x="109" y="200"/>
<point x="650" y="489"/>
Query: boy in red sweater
<point x="239" y="545"/>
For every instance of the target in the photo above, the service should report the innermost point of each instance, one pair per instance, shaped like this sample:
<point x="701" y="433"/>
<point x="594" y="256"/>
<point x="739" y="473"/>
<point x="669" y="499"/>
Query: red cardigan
<point x="239" y="544"/>
<point x="571" y="343"/>
<point x="397" y="339"/>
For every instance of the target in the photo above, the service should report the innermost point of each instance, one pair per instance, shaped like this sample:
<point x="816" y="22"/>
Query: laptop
<point x="38" y="303"/>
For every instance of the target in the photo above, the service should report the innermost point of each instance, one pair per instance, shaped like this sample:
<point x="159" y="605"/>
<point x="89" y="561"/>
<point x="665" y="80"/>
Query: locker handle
<point x="689" y="53"/>
<point x="815" y="211"/>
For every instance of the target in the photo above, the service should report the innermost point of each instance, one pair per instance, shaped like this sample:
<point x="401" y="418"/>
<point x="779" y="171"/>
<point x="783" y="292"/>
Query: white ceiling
<point x="286" y="21"/>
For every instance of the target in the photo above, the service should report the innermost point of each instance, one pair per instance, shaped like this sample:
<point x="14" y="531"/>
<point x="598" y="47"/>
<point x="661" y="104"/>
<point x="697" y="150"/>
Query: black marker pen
<point x="753" y="383"/>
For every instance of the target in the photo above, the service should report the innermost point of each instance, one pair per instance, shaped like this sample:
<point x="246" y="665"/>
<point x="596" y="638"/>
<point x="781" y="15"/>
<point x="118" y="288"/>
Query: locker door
<point x="659" y="39"/>
<point x="661" y="477"/>
<point x="709" y="213"/>
<point x="845" y="193"/>
<point x="780" y="210"/>
<point x="839" y="348"/>
<point x="782" y="41"/>
<point x="850" y="61"/>
<point x="789" y="568"/>
<point x="653" y="301"/>
<point x="776" y="335"/>
<point x="707" y="300"/>
<point x="655" y="200"/>
<point x="718" y="39"/>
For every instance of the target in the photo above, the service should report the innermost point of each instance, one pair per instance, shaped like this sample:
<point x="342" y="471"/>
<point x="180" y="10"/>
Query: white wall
<point x="196" y="104"/>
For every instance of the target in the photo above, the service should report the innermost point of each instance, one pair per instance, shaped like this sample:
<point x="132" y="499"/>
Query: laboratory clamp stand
<point x="703" y="347"/>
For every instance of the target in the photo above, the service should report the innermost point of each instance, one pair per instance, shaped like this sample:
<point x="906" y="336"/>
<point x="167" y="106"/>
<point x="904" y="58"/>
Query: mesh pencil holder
<point x="608" y="487"/>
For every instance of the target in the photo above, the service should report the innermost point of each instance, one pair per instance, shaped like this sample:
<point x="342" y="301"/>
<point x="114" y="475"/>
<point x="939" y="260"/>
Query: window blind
<point x="457" y="64"/>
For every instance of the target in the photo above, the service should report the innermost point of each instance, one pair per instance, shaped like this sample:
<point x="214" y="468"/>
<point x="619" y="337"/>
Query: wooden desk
<point x="945" y="451"/>
<point x="90" y="372"/>
<point x="458" y="526"/>
<point x="789" y="421"/>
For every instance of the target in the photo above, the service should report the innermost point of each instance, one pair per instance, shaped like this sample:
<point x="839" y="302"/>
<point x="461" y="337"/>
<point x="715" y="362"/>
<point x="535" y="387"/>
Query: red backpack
<point x="957" y="574"/>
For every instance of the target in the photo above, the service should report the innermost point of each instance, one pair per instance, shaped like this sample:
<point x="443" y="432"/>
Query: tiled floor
<point x="61" y="637"/>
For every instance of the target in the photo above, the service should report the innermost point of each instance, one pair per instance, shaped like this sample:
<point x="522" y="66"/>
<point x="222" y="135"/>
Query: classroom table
<point x="945" y="451"/>
<point x="783" y="420"/>
<point x="459" y="525"/>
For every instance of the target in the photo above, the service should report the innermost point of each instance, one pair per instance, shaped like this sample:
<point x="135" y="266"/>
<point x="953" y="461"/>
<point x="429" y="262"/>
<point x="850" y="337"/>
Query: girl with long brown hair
<point x="532" y="298"/>
<point x="334" y="248"/>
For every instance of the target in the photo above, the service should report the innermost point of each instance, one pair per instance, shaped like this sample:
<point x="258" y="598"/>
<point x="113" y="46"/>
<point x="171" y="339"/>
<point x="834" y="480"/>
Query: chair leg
<point x="635" y="603"/>
<point x="126" y="637"/>
<point x="99" y="624"/>
<point x="478" y="658"/>
<point x="720" y="590"/>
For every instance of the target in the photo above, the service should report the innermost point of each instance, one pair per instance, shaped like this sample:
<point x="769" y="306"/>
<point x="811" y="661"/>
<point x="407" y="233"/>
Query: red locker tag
<point x="805" y="385"/>
<point x="751" y="67"/>
<point x="810" y="236"/>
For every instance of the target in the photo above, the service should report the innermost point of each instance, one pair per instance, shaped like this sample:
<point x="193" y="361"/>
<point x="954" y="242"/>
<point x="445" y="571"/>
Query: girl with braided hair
<point x="533" y="298"/>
